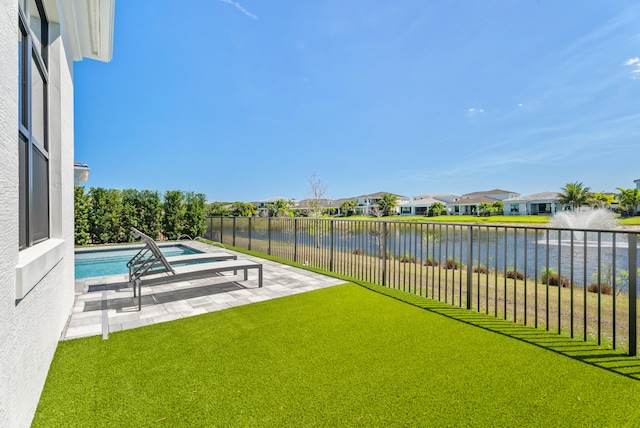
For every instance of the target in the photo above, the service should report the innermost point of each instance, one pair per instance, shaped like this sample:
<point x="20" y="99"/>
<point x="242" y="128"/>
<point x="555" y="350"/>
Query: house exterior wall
<point x="36" y="284"/>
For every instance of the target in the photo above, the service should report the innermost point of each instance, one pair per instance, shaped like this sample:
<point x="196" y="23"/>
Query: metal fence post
<point x="384" y="254"/>
<point x="469" y="266"/>
<point x="295" y="240"/>
<point x="269" y="236"/>
<point x="249" y="246"/>
<point x="233" y="232"/>
<point x="331" y="245"/>
<point x="221" y="227"/>
<point x="633" y="294"/>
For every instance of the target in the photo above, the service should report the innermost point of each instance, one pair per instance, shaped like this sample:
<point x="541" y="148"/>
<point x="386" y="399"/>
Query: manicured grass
<point x="630" y="221"/>
<point x="344" y="356"/>
<point x="499" y="219"/>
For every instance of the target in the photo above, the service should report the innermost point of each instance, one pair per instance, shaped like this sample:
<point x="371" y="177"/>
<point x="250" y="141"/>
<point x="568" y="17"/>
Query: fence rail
<point x="578" y="282"/>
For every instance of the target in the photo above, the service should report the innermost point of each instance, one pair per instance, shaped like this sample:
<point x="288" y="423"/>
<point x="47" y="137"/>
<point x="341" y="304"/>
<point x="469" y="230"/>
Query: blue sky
<point x="246" y="100"/>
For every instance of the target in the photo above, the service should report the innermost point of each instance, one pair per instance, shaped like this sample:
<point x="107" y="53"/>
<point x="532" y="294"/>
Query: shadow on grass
<point x="586" y="352"/>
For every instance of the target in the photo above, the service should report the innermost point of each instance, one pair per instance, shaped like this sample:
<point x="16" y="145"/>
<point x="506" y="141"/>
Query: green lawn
<point x="630" y="221"/>
<point x="344" y="356"/>
<point x="498" y="219"/>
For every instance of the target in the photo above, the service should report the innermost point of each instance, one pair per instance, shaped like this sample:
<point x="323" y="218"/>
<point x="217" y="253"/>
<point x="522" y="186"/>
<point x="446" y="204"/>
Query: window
<point x="33" y="138"/>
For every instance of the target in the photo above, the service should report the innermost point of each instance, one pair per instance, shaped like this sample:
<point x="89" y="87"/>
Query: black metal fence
<point x="577" y="282"/>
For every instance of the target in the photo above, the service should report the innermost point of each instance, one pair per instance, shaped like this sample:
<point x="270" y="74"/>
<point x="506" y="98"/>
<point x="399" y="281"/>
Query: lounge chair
<point x="149" y="259"/>
<point x="154" y="267"/>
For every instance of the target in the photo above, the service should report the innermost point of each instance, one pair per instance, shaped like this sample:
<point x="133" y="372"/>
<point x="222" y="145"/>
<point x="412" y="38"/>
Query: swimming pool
<point x="113" y="261"/>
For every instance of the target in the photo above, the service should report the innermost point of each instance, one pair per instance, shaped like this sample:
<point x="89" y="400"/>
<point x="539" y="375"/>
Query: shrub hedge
<point x="104" y="216"/>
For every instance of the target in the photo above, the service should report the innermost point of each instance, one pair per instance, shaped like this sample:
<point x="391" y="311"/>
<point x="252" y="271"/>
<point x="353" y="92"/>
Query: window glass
<point x="37" y="104"/>
<point x="40" y="198"/>
<point x="36" y="21"/>
<point x="24" y="179"/>
<point x="22" y="77"/>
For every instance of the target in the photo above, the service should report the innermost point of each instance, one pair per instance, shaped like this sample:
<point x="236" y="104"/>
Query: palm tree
<point x="387" y="203"/>
<point x="436" y="209"/>
<point x="629" y="200"/>
<point x="575" y="194"/>
<point x="602" y="200"/>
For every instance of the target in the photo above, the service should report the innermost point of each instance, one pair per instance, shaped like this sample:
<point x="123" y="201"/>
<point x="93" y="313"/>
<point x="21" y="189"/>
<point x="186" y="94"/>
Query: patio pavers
<point x="105" y="305"/>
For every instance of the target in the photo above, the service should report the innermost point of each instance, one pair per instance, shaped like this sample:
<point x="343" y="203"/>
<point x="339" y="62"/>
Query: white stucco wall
<point x="30" y="327"/>
<point x="8" y="202"/>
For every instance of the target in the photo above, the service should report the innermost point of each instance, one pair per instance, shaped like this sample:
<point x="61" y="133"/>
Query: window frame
<point x="34" y="172"/>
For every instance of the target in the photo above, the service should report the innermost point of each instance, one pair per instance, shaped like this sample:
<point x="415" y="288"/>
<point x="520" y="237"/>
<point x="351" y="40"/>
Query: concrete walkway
<point x="106" y="304"/>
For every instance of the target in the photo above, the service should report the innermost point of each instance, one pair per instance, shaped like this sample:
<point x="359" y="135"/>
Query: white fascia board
<point x="88" y="25"/>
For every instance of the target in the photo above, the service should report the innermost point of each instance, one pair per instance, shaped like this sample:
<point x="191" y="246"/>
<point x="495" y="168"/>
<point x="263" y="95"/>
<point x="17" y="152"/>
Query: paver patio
<point x="106" y="304"/>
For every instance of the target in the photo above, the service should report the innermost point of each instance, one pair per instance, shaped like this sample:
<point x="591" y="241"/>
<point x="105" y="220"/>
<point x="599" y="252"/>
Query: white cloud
<point x="474" y="111"/>
<point x="240" y="8"/>
<point x="635" y="63"/>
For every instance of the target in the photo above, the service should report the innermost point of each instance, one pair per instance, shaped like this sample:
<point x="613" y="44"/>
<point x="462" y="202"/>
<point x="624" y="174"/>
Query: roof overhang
<point x="87" y="24"/>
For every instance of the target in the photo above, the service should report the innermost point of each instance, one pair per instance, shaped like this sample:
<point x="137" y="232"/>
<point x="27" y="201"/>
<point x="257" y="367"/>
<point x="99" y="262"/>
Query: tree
<point x="104" y="215"/>
<point x="280" y="208"/>
<point x="574" y="194"/>
<point x="629" y="200"/>
<point x="484" y="209"/>
<point x="436" y="209"/>
<point x="195" y="214"/>
<point x="81" y="216"/>
<point x="347" y="207"/>
<point x="241" y="209"/>
<point x="497" y="207"/>
<point x="602" y="200"/>
<point x="377" y="211"/>
<point x="130" y="215"/>
<point x="317" y="190"/>
<point x="220" y="209"/>
<point x="174" y="214"/>
<point x="150" y="213"/>
<point x="387" y="203"/>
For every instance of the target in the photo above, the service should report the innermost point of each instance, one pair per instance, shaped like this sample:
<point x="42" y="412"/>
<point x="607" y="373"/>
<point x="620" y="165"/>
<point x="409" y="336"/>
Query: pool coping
<point x="105" y="304"/>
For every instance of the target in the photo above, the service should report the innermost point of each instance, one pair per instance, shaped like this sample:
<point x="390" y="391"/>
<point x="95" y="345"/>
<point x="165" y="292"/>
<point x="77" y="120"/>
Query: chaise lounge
<point x="149" y="263"/>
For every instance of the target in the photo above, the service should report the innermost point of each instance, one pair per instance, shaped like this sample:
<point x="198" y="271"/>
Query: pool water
<point x="114" y="261"/>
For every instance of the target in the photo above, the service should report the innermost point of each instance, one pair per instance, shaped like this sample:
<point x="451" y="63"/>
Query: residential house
<point x="367" y="202"/>
<point x="418" y="206"/>
<point x="36" y="183"/>
<point x="544" y="203"/>
<point x="468" y="203"/>
<point x="445" y="198"/>
<point x="262" y="205"/>
<point x="469" y="206"/>
<point x="80" y="173"/>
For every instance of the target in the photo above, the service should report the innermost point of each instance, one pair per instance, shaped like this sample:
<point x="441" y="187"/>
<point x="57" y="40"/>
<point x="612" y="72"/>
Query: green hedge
<point x="106" y="215"/>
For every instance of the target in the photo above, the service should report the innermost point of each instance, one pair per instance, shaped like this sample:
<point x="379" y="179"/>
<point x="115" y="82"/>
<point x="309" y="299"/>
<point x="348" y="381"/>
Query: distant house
<point x="469" y="206"/>
<point x="418" y="206"/>
<point x="637" y="183"/>
<point x="497" y="194"/>
<point x="80" y="173"/>
<point x="468" y="203"/>
<point x="442" y="197"/>
<point x="536" y="204"/>
<point x="328" y="206"/>
<point x="261" y="205"/>
<point x="367" y="202"/>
